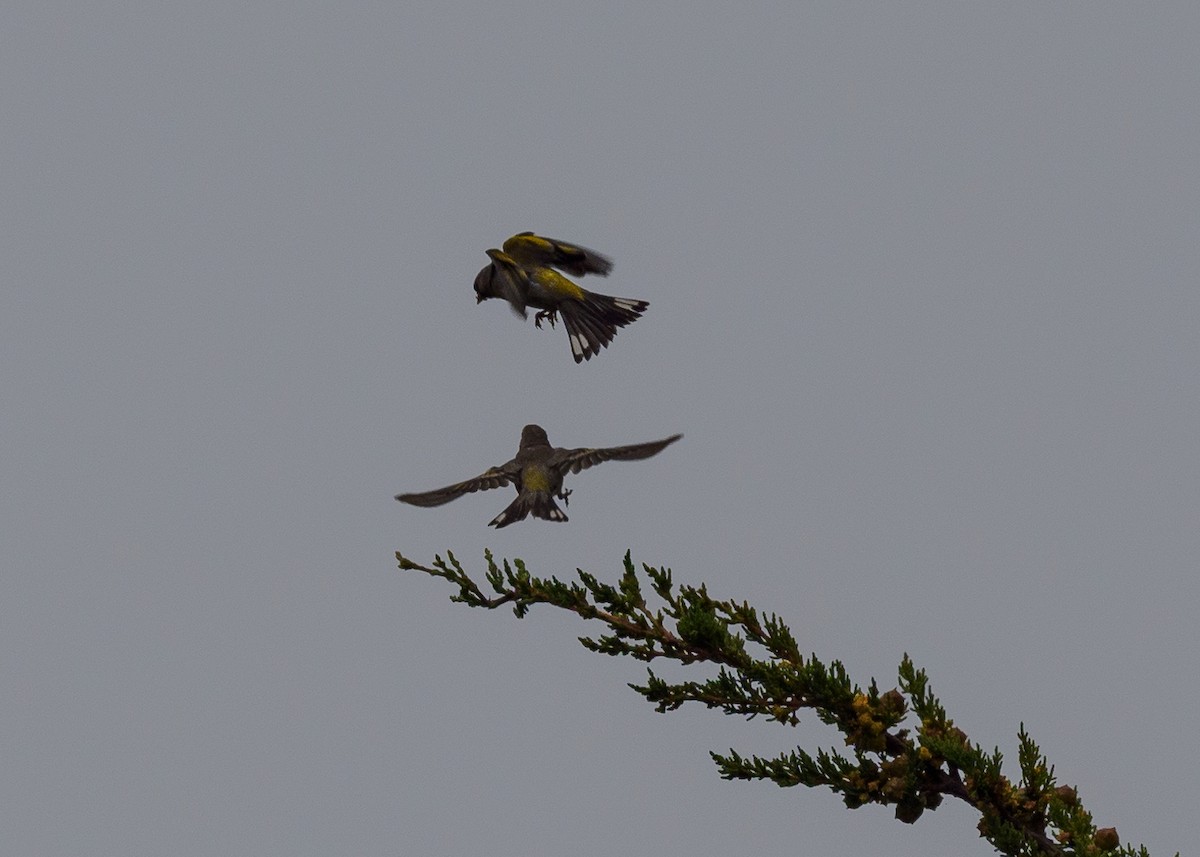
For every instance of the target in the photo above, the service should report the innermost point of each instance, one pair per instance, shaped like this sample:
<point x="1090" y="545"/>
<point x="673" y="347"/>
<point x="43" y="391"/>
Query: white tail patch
<point x="578" y="345"/>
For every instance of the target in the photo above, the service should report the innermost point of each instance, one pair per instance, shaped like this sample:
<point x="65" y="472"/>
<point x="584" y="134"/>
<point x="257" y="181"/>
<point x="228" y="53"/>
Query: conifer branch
<point x="902" y="749"/>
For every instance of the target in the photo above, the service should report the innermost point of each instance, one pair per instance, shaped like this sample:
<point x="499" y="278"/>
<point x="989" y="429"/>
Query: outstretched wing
<point x="495" y="477"/>
<point x="574" y="460"/>
<point x="535" y="251"/>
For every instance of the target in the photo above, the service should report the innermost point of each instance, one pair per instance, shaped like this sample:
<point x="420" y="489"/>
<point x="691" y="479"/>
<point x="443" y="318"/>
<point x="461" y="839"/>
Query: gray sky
<point x="923" y="300"/>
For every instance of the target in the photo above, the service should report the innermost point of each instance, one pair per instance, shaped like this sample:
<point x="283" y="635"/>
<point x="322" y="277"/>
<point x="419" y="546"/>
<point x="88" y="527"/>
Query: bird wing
<point x="494" y="477"/>
<point x="532" y="251"/>
<point x="508" y="280"/>
<point x="574" y="460"/>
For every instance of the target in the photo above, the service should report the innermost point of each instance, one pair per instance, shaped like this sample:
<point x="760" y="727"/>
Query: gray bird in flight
<point x="537" y="473"/>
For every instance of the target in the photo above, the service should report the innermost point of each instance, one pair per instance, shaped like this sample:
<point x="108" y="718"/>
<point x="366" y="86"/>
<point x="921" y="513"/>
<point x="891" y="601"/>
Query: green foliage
<point x="902" y="750"/>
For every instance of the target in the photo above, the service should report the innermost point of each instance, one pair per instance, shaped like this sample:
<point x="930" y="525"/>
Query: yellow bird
<point x="524" y="274"/>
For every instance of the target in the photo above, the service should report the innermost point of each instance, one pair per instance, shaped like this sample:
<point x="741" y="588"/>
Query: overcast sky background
<point x="923" y="301"/>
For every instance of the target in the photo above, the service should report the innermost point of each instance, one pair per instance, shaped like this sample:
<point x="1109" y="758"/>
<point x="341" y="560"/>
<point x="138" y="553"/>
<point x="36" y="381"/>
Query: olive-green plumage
<point x="524" y="274"/>
<point x="535" y="251"/>
<point x="537" y="473"/>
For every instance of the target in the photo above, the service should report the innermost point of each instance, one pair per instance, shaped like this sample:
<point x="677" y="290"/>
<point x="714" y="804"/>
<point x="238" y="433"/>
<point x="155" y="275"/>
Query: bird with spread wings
<point x="537" y="473"/>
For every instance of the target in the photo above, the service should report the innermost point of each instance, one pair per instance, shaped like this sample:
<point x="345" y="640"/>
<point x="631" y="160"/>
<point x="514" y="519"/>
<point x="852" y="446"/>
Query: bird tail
<point x="540" y="504"/>
<point x="593" y="320"/>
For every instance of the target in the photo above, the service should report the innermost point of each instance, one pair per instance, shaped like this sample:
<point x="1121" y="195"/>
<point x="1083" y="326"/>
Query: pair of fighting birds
<point x="524" y="274"/>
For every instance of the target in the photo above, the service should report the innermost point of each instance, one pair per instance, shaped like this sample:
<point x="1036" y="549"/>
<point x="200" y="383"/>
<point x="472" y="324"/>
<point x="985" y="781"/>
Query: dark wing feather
<point x="574" y="460"/>
<point x="495" y="477"/>
<point x="532" y="251"/>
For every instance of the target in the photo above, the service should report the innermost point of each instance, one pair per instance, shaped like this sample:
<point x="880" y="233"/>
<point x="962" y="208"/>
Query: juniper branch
<point x="903" y="751"/>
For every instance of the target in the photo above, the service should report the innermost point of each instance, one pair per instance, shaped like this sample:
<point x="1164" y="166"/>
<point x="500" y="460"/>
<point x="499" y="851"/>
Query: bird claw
<point x="549" y="315"/>
<point x="563" y="495"/>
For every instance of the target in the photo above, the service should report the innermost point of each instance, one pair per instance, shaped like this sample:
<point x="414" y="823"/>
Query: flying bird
<point x="523" y="273"/>
<point x="537" y="473"/>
